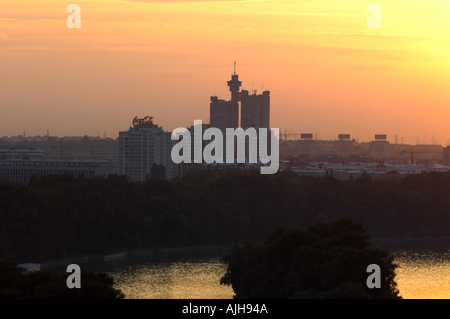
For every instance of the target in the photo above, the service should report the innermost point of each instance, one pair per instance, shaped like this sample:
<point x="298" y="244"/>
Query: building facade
<point x="447" y="156"/>
<point x="143" y="145"/>
<point x="20" y="166"/>
<point x="220" y="114"/>
<point x="379" y="149"/>
<point x="306" y="147"/>
<point x="343" y="148"/>
<point x="255" y="110"/>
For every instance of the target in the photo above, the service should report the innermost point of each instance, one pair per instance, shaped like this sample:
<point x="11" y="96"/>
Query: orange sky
<point x="326" y="70"/>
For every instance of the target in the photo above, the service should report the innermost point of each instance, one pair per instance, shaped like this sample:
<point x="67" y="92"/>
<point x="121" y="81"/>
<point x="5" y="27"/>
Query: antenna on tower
<point x="234" y="67"/>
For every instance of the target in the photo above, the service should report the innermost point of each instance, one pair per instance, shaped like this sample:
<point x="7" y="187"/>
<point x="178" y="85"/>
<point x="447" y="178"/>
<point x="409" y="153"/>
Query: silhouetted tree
<point x="42" y="285"/>
<point x="158" y="172"/>
<point x="61" y="215"/>
<point x="325" y="261"/>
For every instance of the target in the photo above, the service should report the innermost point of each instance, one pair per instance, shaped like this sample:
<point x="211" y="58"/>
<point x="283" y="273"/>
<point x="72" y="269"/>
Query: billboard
<point x="306" y="136"/>
<point x="344" y="136"/>
<point x="380" y="136"/>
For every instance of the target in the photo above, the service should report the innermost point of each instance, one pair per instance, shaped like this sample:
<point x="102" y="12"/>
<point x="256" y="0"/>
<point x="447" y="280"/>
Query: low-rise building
<point x="379" y="149"/>
<point x="21" y="171"/>
<point x="447" y="156"/>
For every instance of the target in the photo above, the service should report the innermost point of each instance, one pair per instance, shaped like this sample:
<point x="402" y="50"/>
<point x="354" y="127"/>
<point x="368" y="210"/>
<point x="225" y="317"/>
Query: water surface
<point x="422" y="275"/>
<point x="194" y="279"/>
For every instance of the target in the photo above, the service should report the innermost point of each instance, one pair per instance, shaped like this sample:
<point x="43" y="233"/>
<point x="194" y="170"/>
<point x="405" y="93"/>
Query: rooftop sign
<point x="344" y="136"/>
<point x="148" y="120"/>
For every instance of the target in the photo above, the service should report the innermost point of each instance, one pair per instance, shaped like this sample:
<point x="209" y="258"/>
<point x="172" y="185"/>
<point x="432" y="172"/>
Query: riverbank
<point x="393" y="244"/>
<point x="441" y="244"/>
<point x="136" y="254"/>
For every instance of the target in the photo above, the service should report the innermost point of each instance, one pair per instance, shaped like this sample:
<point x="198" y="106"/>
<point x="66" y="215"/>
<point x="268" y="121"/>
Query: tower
<point x="234" y="86"/>
<point x="255" y="109"/>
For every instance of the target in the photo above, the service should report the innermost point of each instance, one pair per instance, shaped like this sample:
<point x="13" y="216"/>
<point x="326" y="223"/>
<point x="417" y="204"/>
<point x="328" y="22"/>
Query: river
<point x="424" y="273"/>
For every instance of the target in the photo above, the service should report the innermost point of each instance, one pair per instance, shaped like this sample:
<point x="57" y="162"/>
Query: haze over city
<point x="326" y="70"/>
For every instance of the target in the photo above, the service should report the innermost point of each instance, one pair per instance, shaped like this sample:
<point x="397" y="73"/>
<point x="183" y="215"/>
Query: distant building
<point x="11" y="154"/>
<point x="194" y="146"/>
<point x="306" y="147"/>
<point x="225" y="114"/>
<point x="379" y="149"/>
<point x="19" y="165"/>
<point x="244" y="148"/>
<point x="325" y="148"/>
<point x="255" y="109"/>
<point x="142" y="145"/>
<point x="421" y="153"/>
<point x="447" y="156"/>
<point x="343" y="148"/>
<point x="221" y="114"/>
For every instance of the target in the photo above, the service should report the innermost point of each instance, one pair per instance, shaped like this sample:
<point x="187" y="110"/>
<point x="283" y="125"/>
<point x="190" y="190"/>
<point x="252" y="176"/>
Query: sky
<point x="327" y="71"/>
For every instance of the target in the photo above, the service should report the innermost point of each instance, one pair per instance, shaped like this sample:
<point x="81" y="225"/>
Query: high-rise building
<point x="195" y="147"/>
<point x="234" y="85"/>
<point x="142" y="145"/>
<point x="255" y="109"/>
<point x="220" y="114"/>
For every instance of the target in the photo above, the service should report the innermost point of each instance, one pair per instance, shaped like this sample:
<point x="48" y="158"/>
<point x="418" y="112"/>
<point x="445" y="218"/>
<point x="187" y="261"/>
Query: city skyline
<point x="327" y="72"/>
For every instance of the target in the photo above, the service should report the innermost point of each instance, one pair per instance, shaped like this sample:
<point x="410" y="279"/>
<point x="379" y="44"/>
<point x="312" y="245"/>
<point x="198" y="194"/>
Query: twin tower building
<point x="146" y="143"/>
<point x="255" y="109"/>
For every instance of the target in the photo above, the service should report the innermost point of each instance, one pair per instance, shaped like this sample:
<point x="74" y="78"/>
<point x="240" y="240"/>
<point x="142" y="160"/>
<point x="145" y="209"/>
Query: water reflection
<point x="423" y="274"/>
<point x="195" y="279"/>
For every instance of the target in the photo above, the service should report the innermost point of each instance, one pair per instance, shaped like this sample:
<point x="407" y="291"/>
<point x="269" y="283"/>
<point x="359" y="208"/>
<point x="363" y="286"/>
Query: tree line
<point x="43" y="285"/>
<point x="61" y="215"/>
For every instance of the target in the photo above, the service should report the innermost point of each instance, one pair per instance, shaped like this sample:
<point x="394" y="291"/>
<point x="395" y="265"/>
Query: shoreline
<point x="128" y="255"/>
<point x="389" y="243"/>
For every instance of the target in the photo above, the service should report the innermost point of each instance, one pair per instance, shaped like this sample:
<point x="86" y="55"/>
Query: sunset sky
<point x="326" y="70"/>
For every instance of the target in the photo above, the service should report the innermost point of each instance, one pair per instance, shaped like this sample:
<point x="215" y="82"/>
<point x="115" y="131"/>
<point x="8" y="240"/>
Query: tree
<point x="325" y="261"/>
<point x="42" y="285"/>
<point x="158" y="171"/>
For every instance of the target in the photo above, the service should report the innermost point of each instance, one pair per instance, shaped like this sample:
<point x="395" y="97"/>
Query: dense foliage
<point x="158" y="171"/>
<point x="42" y="285"/>
<point x="58" y="216"/>
<point x="325" y="261"/>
